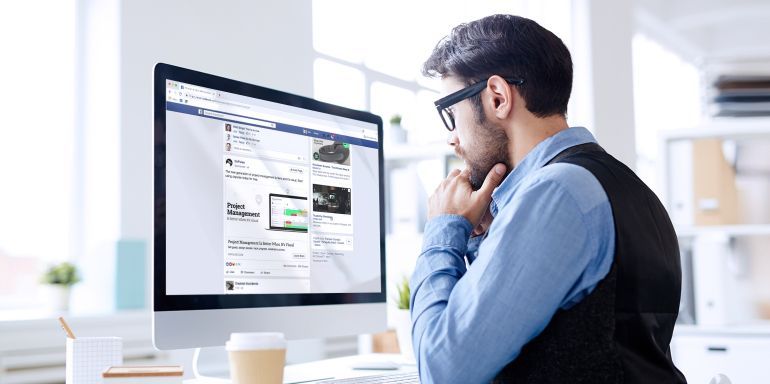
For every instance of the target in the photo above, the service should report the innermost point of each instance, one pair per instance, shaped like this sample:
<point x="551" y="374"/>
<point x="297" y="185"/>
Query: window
<point x="58" y="150"/>
<point x="370" y="53"/>
<point x="339" y="84"/>
<point x="36" y="143"/>
<point x="666" y="96"/>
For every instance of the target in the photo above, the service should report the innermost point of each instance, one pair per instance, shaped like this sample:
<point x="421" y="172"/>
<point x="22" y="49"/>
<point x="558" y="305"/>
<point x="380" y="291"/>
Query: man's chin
<point x="477" y="178"/>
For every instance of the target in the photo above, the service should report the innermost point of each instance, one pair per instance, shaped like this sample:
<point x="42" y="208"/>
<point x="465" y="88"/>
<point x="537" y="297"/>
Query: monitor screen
<point x="263" y="198"/>
<point x="288" y="212"/>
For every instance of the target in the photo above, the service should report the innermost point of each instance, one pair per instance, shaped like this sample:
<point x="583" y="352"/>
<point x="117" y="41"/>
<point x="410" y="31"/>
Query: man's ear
<point x="499" y="98"/>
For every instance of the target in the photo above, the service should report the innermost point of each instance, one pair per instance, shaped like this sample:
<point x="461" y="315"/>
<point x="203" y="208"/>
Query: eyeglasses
<point x="443" y="104"/>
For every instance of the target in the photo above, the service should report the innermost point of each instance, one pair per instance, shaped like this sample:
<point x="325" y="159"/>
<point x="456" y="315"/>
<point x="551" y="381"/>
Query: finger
<point x="443" y="184"/>
<point x="464" y="175"/>
<point x="493" y="179"/>
<point x="440" y="187"/>
<point x="449" y="178"/>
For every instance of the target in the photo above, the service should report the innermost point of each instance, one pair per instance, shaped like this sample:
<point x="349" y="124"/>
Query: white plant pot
<point x="403" y="323"/>
<point x="397" y="134"/>
<point x="57" y="297"/>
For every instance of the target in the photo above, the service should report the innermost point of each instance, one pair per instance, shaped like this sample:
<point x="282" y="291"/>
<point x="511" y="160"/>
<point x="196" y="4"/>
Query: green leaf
<point x="61" y="274"/>
<point x="402" y="294"/>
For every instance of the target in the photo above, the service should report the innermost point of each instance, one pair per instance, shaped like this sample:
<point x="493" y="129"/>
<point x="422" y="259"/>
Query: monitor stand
<point x="216" y="370"/>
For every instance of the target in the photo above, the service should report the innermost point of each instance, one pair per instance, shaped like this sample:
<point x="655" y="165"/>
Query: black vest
<point x="620" y="333"/>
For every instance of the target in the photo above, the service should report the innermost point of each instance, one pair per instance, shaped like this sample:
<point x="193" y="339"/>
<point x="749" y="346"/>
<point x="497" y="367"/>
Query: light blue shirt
<point x="551" y="241"/>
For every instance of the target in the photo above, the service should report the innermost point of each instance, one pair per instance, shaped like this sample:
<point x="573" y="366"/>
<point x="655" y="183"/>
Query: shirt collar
<point x="540" y="155"/>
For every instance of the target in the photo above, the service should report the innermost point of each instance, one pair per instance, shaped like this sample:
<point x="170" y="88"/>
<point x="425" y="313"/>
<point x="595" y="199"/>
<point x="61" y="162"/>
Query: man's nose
<point x="452" y="138"/>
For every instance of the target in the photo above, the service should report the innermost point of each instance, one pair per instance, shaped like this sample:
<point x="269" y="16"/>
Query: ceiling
<point x="709" y="31"/>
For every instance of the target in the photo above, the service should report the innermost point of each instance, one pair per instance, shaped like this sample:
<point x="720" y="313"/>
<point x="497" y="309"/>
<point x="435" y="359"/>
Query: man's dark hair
<point x="508" y="46"/>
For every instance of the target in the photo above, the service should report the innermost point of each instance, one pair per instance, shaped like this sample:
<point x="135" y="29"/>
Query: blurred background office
<point x="677" y="90"/>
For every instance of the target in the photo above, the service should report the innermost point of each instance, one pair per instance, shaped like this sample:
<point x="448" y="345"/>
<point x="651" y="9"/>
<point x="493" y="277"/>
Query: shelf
<point x="760" y="328"/>
<point x="722" y="127"/>
<point x="728" y="230"/>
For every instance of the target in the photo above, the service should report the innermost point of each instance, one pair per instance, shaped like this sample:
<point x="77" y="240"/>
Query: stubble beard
<point x="490" y="148"/>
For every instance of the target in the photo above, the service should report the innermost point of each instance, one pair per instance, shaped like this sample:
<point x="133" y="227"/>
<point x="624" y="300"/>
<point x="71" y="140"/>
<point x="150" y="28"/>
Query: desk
<point x="337" y="368"/>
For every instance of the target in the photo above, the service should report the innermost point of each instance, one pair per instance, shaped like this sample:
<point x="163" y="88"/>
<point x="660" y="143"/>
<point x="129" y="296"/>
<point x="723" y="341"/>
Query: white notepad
<point x="88" y="357"/>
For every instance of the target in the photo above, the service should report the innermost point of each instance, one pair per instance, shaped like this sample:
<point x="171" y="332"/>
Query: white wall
<point x="603" y="98"/>
<point x="265" y="43"/>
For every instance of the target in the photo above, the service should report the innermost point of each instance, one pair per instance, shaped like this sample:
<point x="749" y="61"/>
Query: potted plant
<point x="397" y="133"/>
<point x="403" y="320"/>
<point x="59" y="279"/>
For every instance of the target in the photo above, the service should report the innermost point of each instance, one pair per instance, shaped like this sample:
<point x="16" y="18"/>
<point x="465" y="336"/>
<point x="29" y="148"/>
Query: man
<point x="573" y="271"/>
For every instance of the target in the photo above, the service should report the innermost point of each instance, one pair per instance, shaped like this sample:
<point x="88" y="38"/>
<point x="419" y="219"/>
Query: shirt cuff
<point x="447" y="231"/>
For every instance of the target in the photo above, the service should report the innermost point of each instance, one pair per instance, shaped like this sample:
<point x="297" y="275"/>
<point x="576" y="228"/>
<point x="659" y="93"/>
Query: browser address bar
<point x="366" y="135"/>
<point x="238" y="118"/>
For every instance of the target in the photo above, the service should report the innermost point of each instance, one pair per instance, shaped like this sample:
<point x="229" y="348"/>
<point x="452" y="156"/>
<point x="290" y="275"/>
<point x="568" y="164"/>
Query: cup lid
<point x="240" y="341"/>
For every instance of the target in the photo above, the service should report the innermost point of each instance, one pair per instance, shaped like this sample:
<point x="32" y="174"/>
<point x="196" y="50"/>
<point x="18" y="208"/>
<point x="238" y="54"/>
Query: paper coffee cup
<point x="256" y="358"/>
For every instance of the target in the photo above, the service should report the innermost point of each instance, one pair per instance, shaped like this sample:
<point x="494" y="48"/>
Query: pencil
<point x="66" y="328"/>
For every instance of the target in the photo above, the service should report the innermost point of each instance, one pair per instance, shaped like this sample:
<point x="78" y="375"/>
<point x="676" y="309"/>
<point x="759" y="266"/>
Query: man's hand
<point x="486" y="221"/>
<point x="456" y="196"/>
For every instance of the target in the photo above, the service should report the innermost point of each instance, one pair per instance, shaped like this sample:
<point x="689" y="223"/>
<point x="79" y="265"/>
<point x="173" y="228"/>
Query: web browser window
<point x="267" y="198"/>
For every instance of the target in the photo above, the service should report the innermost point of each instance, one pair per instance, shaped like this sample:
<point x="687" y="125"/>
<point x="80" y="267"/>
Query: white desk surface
<point x="337" y="368"/>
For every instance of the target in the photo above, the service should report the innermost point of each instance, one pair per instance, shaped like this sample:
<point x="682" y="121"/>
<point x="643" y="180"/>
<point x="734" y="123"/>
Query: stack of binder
<point x="741" y="95"/>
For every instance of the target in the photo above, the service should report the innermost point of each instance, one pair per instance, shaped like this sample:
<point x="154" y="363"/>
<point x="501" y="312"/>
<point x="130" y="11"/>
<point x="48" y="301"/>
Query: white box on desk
<point x="88" y="357"/>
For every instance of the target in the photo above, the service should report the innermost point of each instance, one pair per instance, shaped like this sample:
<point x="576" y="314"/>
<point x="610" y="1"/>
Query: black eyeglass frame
<point x="453" y="98"/>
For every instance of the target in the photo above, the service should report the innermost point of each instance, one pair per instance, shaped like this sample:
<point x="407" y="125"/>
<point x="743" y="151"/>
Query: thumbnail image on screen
<point x="330" y="151"/>
<point x="288" y="213"/>
<point x="331" y="199"/>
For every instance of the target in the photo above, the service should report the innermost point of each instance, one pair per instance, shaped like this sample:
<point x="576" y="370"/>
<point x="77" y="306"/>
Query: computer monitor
<point x="268" y="213"/>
